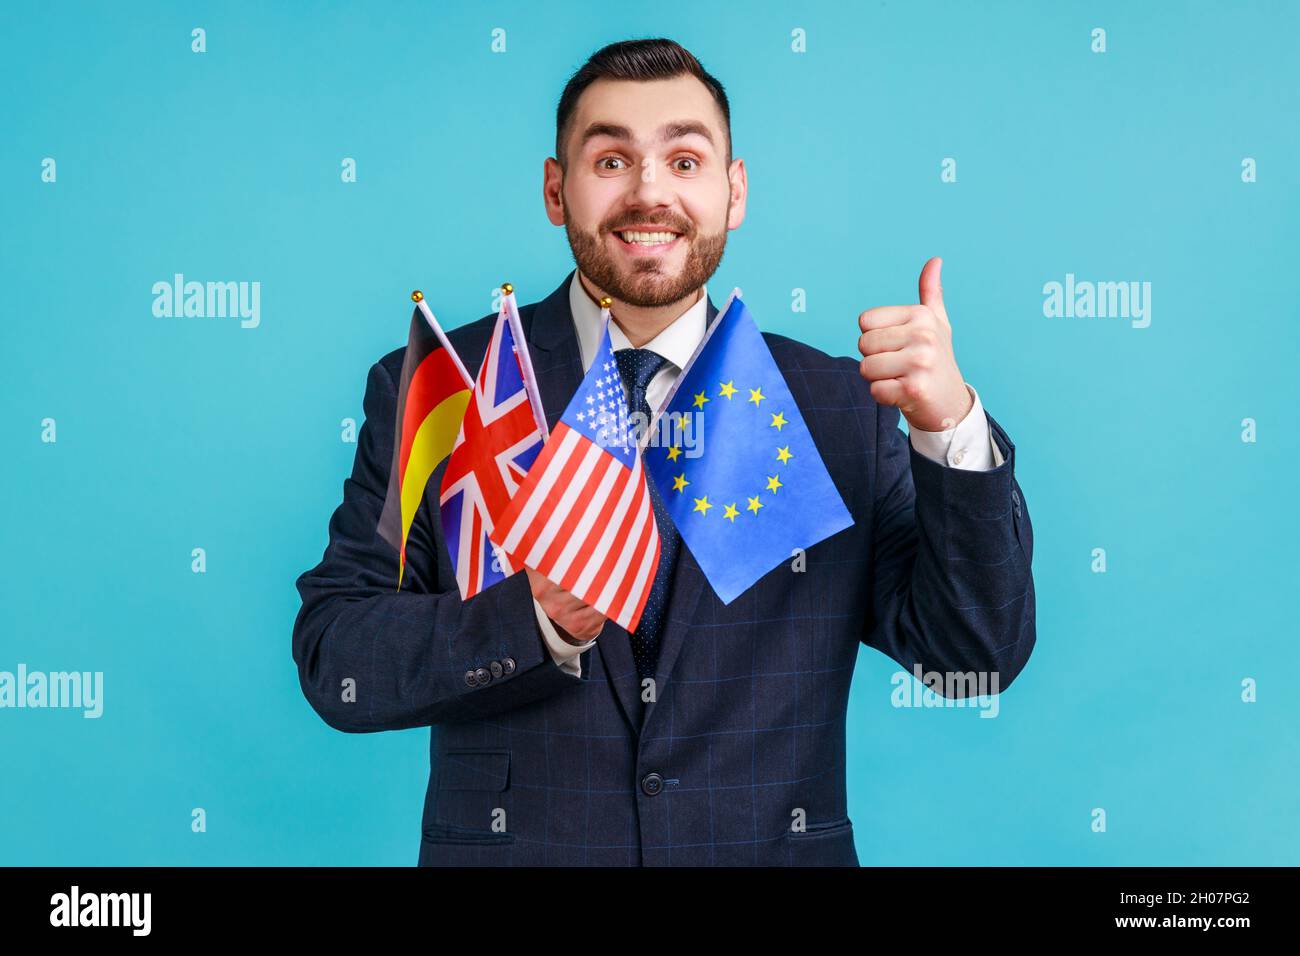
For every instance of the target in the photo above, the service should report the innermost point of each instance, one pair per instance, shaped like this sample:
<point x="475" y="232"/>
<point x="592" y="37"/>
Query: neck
<point x="640" y="323"/>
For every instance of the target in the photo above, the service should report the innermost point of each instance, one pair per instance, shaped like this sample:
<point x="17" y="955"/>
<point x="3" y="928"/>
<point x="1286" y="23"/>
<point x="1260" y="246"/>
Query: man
<point x="714" y="734"/>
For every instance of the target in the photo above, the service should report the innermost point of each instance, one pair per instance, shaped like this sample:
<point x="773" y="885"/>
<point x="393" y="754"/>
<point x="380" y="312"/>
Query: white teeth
<point x="648" y="238"/>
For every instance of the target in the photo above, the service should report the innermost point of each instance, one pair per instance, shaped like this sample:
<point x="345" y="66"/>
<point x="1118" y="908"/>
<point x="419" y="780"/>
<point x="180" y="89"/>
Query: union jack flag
<point x="500" y="436"/>
<point x="583" y="515"/>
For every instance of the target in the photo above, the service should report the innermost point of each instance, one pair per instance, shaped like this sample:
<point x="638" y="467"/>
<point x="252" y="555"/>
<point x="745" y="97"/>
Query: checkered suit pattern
<point x="530" y="765"/>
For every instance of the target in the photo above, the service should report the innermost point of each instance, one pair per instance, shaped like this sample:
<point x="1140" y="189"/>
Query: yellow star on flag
<point x="680" y="482"/>
<point x="728" y="389"/>
<point x="754" y="505"/>
<point x="674" y="453"/>
<point x="778" y="420"/>
<point x="702" y="505"/>
<point x="700" y="399"/>
<point x="731" y="512"/>
<point x="783" y="454"/>
<point x="773" y="483"/>
<point x="756" y="395"/>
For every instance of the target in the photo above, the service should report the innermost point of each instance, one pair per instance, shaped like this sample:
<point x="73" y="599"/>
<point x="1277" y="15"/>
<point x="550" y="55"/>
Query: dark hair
<point x="656" y="59"/>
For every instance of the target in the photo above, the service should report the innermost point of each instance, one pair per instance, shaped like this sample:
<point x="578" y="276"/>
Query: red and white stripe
<point x="583" y="518"/>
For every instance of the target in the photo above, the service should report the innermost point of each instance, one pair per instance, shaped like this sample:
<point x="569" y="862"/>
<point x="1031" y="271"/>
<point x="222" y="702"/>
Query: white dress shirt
<point x="969" y="445"/>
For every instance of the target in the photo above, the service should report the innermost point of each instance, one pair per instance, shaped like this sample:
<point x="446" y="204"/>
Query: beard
<point x="645" y="284"/>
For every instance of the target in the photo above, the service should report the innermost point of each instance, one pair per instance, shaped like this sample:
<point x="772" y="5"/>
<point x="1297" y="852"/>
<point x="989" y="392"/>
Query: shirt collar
<point x="676" y="343"/>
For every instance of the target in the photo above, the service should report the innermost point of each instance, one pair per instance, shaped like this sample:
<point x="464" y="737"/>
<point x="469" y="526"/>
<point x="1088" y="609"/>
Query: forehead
<point x="645" y="107"/>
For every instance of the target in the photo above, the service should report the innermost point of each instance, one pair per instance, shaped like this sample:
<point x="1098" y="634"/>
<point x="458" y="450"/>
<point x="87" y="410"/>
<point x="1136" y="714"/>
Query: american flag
<point x="500" y="437"/>
<point x="582" y="516"/>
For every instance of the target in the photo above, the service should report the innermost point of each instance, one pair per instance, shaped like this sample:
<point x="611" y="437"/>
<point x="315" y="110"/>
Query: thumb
<point x="930" y="288"/>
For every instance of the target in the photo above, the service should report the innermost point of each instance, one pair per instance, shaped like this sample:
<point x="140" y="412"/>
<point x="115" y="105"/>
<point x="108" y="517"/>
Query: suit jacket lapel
<point x="683" y="602"/>
<point x="557" y="360"/>
<point x="684" y="594"/>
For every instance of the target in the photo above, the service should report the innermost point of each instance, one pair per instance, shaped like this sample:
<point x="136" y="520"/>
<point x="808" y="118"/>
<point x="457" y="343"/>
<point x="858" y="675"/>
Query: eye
<point x="600" y="163"/>
<point x="695" y="163"/>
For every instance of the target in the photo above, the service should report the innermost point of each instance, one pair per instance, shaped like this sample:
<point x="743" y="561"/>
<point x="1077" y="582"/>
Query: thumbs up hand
<point x="908" y="358"/>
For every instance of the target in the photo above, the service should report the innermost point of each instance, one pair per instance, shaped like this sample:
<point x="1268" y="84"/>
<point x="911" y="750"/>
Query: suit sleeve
<point x="969" y="445"/>
<point x="373" y="658"/>
<point x="951" y="581"/>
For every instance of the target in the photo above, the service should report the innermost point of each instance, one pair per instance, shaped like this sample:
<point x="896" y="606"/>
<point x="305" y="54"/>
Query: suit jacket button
<point x="508" y="665"/>
<point x="470" y="679"/>
<point x="651" y="784"/>
<point x="496" y="669"/>
<point x="482" y="675"/>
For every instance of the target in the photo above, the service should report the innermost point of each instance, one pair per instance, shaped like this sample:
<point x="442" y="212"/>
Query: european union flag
<point x="735" y="463"/>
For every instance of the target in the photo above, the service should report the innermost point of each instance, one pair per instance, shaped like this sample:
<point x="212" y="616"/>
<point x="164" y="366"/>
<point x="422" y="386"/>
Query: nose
<point x="650" y="188"/>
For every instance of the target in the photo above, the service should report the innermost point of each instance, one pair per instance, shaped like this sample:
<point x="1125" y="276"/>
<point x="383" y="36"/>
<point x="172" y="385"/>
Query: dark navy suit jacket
<point x="530" y="764"/>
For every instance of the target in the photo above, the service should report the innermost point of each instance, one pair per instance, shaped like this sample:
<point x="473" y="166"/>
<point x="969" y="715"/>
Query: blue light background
<point x="177" y="433"/>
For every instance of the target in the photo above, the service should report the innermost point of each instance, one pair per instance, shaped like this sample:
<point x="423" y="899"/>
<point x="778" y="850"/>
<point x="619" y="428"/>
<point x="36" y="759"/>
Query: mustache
<point x="672" y="226"/>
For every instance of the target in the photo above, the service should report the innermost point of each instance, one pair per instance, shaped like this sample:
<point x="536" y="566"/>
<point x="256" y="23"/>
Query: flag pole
<point x="418" y="298"/>
<point x="525" y="358"/>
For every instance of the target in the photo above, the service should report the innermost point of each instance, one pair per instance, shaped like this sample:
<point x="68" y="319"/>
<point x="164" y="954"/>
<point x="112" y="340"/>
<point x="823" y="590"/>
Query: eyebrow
<point x="667" y="132"/>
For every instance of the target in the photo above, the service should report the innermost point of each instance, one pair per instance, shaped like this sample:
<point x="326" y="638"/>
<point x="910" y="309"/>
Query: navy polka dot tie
<point x="638" y="367"/>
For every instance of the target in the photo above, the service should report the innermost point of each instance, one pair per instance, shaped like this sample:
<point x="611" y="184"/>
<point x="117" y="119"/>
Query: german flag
<point x="431" y="400"/>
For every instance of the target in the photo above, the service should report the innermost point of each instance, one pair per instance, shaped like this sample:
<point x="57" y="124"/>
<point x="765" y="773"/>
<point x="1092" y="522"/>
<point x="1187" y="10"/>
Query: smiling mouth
<point x="646" y="239"/>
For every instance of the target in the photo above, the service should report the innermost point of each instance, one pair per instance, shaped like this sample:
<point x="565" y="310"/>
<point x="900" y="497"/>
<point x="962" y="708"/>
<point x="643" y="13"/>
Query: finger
<point x="888" y="391"/>
<point x="553" y="598"/>
<point x="885" y="365"/>
<point x="538" y="584"/>
<point x="545" y="585"/>
<point x="931" y="289"/>
<point x="889" y="339"/>
<point x="884" y="315"/>
<point x="583" y="624"/>
<point x="564" y="602"/>
<point x="593" y="621"/>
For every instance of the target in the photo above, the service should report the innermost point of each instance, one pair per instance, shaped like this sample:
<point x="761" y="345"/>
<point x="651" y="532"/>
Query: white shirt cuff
<point x="968" y="445"/>
<point x="562" y="652"/>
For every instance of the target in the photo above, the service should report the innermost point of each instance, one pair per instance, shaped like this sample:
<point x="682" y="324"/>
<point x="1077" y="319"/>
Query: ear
<point x="553" y="191"/>
<point x="739" y="182"/>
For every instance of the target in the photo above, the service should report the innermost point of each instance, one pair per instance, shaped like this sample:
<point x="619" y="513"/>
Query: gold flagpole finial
<point x="606" y="302"/>
<point x="417" y="296"/>
<point x="506" y="288"/>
